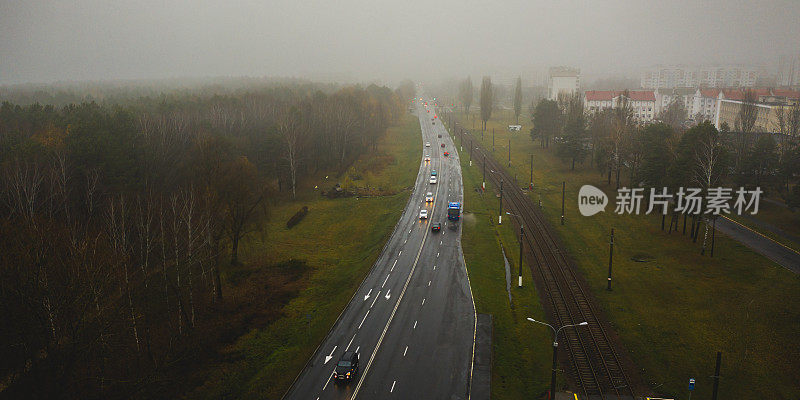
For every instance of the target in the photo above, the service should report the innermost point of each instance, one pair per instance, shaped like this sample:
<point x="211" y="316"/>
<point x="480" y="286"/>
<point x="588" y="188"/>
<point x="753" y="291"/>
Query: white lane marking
<point x="362" y="321"/>
<point x="395" y="263"/>
<point x="409" y="231"/>
<point x="429" y="283"/>
<point x="375" y="299"/>
<point x="357" y="348"/>
<point x="423" y="302"/>
<point x="437" y="255"/>
<point x="401" y="253"/>
<point x="440" y="243"/>
<point x="390" y="390"/>
<point x="326" y="383"/>
<point x="329" y="356"/>
<point x="394" y="310"/>
<point x="434" y="268"/>
<point x="351" y="342"/>
<point x="384" y="281"/>
<point x="367" y="295"/>
<point x="415" y="325"/>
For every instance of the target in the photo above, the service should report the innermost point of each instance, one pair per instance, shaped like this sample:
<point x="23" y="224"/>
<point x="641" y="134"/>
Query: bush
<point x="297" y="217"/>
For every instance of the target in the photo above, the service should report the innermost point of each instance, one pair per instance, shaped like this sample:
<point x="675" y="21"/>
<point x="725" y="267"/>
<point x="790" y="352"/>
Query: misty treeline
<point x="115" y="222"/>
<point x="667" y="154"/>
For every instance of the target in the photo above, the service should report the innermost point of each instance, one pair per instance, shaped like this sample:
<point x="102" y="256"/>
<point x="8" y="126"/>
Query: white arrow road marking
<point x="388" y="294"/>
<point x="328" y="357"/>
<point x="384" y="281"/>
<point x="362" y="321"/>
<point x="367" y="295"/>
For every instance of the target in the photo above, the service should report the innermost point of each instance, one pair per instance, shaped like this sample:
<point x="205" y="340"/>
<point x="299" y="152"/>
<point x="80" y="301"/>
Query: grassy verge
<point x="676" y="310"/>
<point x="522" y="350"/>
<point x="263" y="362"/>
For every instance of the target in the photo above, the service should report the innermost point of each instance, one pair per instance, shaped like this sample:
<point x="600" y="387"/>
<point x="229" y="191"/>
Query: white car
<point x="423" y="214"/>
<point x="428" y="197"/>
<point x="427" y="144"/>
<point x="433" y="180"/>
<point x="427" y="157"/>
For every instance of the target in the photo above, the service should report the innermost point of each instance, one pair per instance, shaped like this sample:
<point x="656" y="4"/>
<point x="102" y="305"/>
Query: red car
<point x="442" y="145"/>
<point x="446" y="154"/>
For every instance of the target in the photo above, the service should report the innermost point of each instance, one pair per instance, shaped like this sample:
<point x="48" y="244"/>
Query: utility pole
<point x="509" y="152"/>
<point x="713" y="231"/>
<point x="492" y="140"/>
<point x="716" y="376"/>
<point x="531" y="182"/>
<point x="521" y="233"/>
<point x="483" y="185"/>
<point x="470" y="152"/>
<point x="563" y="192"/>
<point x="500" y="219"/>
<point x="610" y="258"/>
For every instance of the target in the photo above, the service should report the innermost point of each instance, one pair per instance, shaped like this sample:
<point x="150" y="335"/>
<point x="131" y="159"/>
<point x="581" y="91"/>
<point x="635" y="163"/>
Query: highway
<point x="412" y="320"/>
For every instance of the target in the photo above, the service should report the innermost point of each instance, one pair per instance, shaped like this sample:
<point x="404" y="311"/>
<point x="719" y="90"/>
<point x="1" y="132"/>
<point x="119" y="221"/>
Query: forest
<point x="116" y="220"/>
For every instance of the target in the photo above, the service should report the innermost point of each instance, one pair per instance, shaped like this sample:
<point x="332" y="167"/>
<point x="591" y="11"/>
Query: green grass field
<point x="522" y="350"/>
<point x="263" y="362"/>
<point x="676" y="310"/>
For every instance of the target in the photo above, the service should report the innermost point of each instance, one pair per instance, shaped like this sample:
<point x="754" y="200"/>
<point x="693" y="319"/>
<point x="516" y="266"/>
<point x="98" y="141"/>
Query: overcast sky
<point x="44" y="41"/>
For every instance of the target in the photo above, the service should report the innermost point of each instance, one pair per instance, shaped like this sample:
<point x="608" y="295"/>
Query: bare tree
<point x="745" y="122"/>
<point x="707" y="159"/>
<point x="290" y="127"/>
<point x="487" y="100"/>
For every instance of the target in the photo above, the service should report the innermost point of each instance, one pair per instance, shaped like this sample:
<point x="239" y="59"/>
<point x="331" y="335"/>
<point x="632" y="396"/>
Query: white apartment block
<point x="677" y="76"/>
<point x="563" y="81"/>
<point x="642" y="102"/>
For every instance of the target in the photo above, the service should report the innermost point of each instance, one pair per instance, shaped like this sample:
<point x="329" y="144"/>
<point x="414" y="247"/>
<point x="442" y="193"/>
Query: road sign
<point x="691" y="384"/>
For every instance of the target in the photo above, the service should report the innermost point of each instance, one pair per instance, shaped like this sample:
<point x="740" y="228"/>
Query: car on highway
<point x="436" y="227"/>
<point x="347" y="367"/>
<point x="427" y="144"/>
<point x="423" y="214"/>
<point x="427" y="157"/>
<point x="446" y="154"/>
<point x="442" y="145"/>
<point x="432" y="181"/>
<point x="440" y="135"/>
<point x="428" y="197"/>
<point x="433" y="172"/>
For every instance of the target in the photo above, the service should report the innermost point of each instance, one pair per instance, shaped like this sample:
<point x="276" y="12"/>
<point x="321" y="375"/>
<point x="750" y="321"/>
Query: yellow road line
<point x="761" y="234"/>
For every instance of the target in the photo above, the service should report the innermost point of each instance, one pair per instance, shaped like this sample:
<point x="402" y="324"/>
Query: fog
<point x="349" y="40"/>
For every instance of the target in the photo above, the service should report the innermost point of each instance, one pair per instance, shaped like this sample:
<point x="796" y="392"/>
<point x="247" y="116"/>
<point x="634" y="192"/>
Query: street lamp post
<point x="521" y="233"/>
<point x="555" y="351"/>
<point x="500" y="216"/>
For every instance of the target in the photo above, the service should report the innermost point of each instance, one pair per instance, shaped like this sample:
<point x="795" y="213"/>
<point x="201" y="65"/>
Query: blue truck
<point x="453" y="211"/>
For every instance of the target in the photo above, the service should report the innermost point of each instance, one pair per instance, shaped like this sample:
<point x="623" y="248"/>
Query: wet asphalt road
<point x="412" y="320"/>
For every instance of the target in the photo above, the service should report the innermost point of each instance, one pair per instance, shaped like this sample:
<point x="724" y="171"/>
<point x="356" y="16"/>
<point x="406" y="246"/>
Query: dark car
<point x="442" y="145"/>
<point x="436" y="227"/>
<point x="440" y="135"/>
<point x="347" y="367"/>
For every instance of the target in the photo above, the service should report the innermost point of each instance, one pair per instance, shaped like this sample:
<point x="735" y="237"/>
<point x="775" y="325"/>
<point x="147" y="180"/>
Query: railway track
<point x="596" y="367"/>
